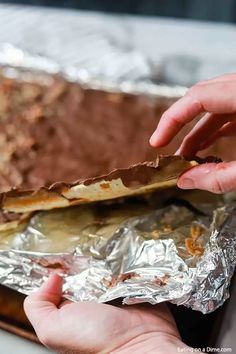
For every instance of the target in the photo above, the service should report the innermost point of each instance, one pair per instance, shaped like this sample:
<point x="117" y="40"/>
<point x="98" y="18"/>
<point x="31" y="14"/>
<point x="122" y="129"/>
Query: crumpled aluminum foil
<point x="113" y="254"/>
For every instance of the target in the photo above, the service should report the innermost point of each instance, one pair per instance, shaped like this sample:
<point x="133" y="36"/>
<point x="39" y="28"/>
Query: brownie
<point x="57" y="131"/>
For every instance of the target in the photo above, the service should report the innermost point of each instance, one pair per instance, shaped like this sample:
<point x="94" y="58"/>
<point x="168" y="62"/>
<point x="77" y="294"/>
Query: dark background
<point x="211" y="10"/>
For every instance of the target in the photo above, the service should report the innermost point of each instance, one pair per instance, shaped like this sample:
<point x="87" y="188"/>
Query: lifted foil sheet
<point x="137" y="252"/>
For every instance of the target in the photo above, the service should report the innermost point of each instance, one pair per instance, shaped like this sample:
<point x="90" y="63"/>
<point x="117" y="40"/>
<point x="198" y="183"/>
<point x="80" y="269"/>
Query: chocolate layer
<point x="145" y="173"/>
<point x="138" y="179"/>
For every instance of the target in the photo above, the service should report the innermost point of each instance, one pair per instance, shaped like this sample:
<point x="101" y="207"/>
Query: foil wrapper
<point x="129" y="252"/>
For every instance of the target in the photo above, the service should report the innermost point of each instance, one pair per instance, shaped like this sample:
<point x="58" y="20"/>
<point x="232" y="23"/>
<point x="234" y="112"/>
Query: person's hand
<point x="217" y="100"/>
<point x="89" y="327"/>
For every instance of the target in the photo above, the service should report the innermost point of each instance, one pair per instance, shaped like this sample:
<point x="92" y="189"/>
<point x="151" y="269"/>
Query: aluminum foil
<point x="112" y="68"/>
<point x="127" y="45"/>
<point x="131" y="252"/>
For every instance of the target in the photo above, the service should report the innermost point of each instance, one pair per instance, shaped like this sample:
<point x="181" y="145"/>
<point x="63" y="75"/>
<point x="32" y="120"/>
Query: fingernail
<point x="177" y="153"/>
<point x="152" y="139"/>
<point x="186" y="183"/>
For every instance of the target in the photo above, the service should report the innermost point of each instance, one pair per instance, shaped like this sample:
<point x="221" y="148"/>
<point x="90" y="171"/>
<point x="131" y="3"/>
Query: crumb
<point x="34" y="113"/>
<point x="105" y="185"/>
<point x="155" y="234"/>
<point x="193" y="246"/>
<point x="161" y="281"/>
<point x="57" y="265"/>
<point x="167" y="228"/>
<point x="196" y="231"/>
<point x="119" y="279"/>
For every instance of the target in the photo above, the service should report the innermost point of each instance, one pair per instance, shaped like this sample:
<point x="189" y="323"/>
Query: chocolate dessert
<point x="56" y="131"/>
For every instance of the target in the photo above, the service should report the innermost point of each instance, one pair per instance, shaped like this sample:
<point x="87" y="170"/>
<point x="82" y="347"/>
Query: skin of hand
<point x="216" y="100"/>
<point x="89" y="327"/>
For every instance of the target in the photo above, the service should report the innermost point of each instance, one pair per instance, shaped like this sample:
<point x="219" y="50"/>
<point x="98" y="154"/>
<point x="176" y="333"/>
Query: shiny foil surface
<point x="114" y="69"/>
<point x="135" y="251"/>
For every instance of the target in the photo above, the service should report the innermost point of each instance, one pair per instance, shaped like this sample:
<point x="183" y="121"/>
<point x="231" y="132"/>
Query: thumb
<point x="44" y="302"/>
<point x="212" y="177"/>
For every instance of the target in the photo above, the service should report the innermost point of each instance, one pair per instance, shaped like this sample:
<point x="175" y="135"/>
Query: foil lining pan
<point x="114" y="69"/>
<point x="133" y="252"/>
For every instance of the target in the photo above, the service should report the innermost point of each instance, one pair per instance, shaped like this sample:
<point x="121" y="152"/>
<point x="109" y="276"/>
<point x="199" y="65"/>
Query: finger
<point x="207" y="126"/>
<point x="216" y="178"/>
<point x="227" y="130"/>
<point x="221" y="78"/>
<point x="211" y="98"/>
<point x="41" y="304"/>
<point x="172" y="121"/>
